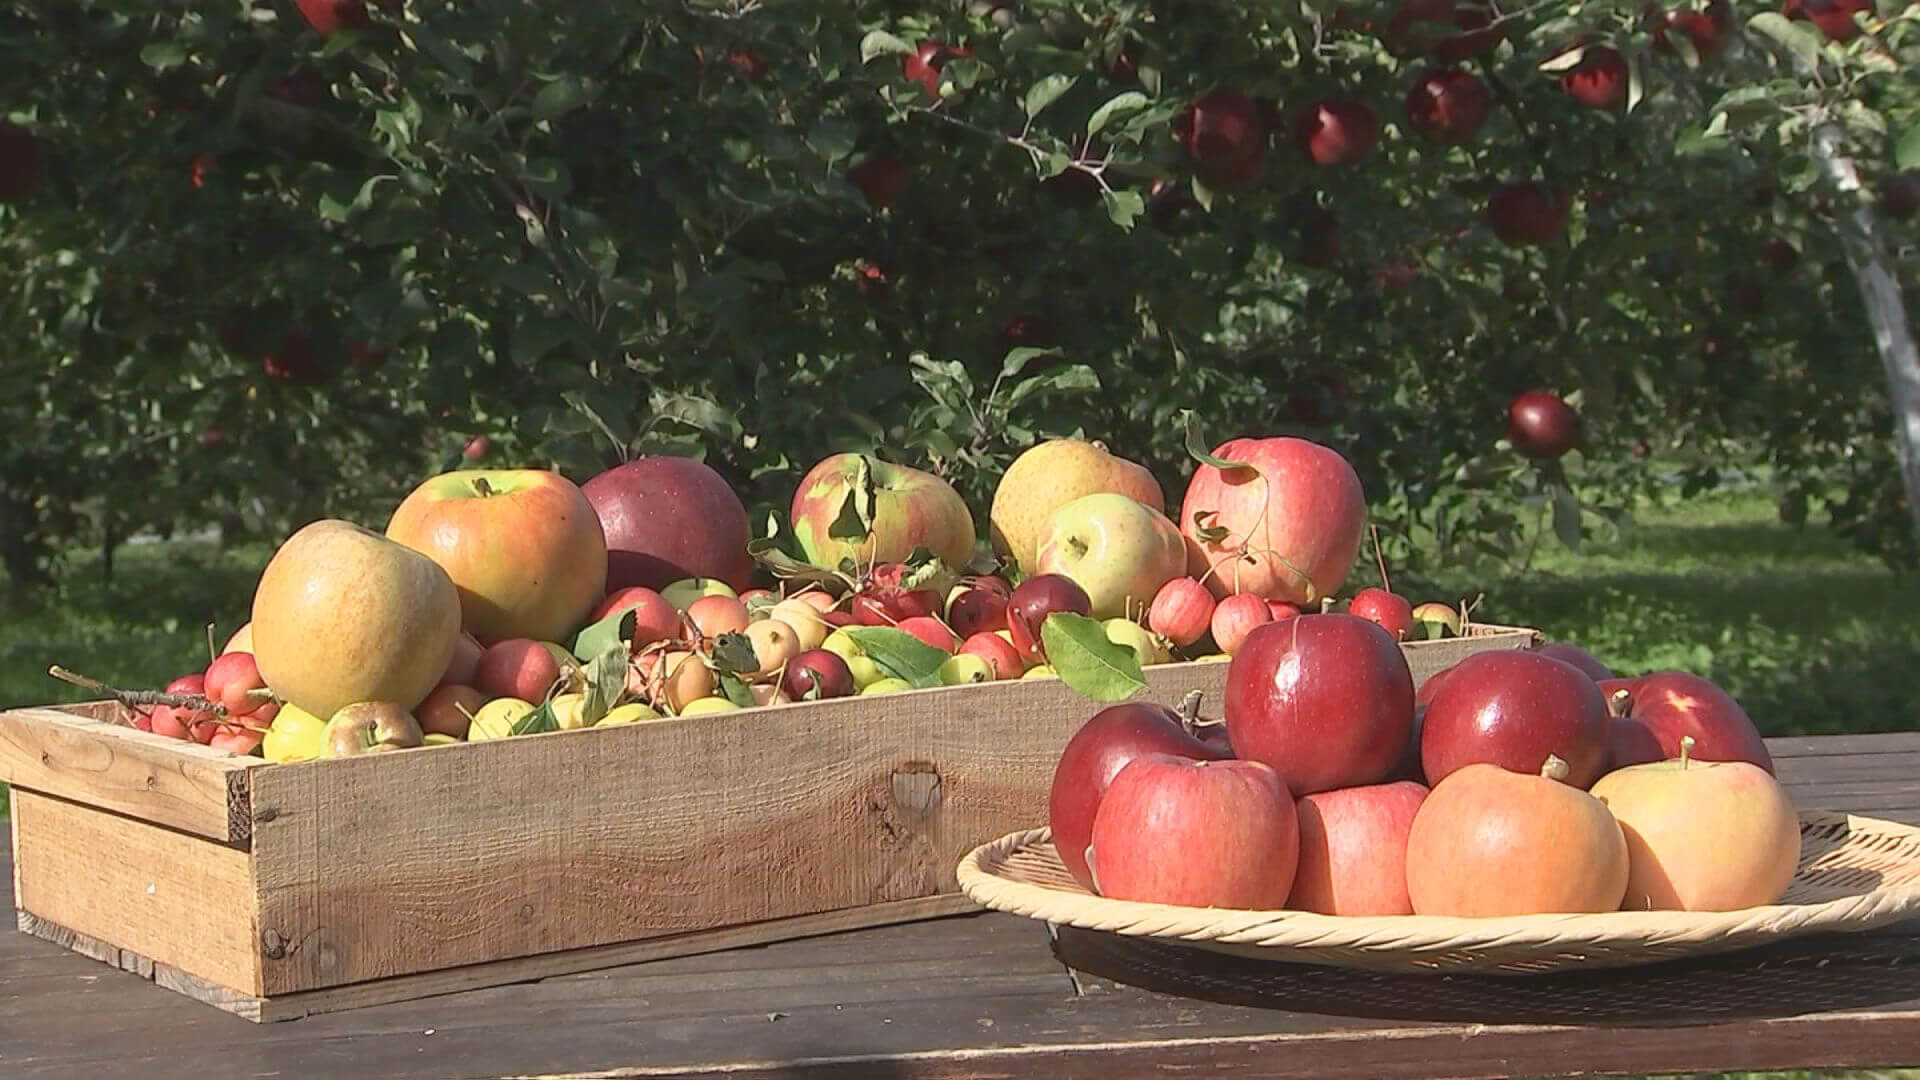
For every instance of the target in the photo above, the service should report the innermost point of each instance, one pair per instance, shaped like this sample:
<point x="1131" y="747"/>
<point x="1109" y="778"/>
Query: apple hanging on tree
<point x="1336" y="131"/>
<point x="1540" y="424"/>
<point x="1448" y="106"/>
<point x="1599" y="79"/>
<point x="1527" y="213"/>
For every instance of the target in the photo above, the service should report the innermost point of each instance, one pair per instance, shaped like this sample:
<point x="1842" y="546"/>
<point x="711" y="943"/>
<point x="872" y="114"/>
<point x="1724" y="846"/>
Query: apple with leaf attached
<point x="856" y="508"/>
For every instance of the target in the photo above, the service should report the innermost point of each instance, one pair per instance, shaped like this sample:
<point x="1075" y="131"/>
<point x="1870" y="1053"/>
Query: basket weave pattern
<point x="1855" y="873"/>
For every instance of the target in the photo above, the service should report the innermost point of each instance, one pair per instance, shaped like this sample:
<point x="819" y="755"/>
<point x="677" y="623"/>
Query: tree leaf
<point x="1197" y="450"/>
<point x="1566" y="517"/>
<point x="766" y="552"/>
<point x="1088" y="661"/>
<point x="616" y="629"/>
<point x="1118" y="105"/>
<point x="900" y="654"/>
<point x="1047" y="91"/>
<point x="162" y="55"/>
<point x="1636" y="80"/>
<point x="880" y="43"/>
<point x="562" y="95"/>
<point x="1906" y="154"/>
<point x="1124" y="207"/>
<point x="1017" y="359"/>
<point x="1799" y="37"/>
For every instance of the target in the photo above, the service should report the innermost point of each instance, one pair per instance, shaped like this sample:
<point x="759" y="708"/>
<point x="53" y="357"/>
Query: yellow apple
<point x="1039" y="671"/>
<point x="1150" y="647"/>
<point x="888" y="685"/>
<point x="965" y="668"/>
<point x="865" y="671"/>
<point x="681" y="594"/>
<point x="1052" y="474"/>
<point x="569" y="711"/>
<point x="709" y="705"/>
<point x="1119" y="550"/>
<point x="632" y="712"/>
<point x="523" y="546"/>
<point x="294" y="735"/>
<point x="496" y="718"/>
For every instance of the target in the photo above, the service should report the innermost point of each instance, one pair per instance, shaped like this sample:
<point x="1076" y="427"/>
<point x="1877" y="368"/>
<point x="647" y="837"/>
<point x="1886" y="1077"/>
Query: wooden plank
<point x="1822" y="770"/>
<point x="166" y="896"/>
<point x="1843" y="745"/>
<point x="395" y="864"/>
<point x="168" y="781"/>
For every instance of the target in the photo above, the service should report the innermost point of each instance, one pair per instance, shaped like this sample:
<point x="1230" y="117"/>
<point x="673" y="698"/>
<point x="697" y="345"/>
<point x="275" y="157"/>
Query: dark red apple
<point x="1336" y="131"/>
<point x="1213" y="834"/>
<point x="331" y="16"/>
<point x="818" y="673"/>
<point x="23" y="164"/>
<point x="882" y="178"/>
<point x="979" y="607"/>
<point x="1448" y="105"/>
<point x="1221" y="128"/>
<point x="668" y="518"/>
<point x="1102" y="747"/>
<point x="1599" y="80"/>
<point x="1234" y="174"/>
<point x="1672" y="704"/>
<point x="924" y="64"/>
<point x="1578" y="657"/>
<point x="1631" y="743"/>
<point x="1709" y="30"/>
<point x="1900" y="194"/>
<point x="1833" y="17"/>
<point x="1513" y="709"/>
<point x="1327" y="699"/>
<point x="1353" y="849"/>
<point x="1541" y="425"/>
<point x="1527" y="213"/>
<point x="1389" y="609"/>
<point x="1038" y="597"/>
<point x="295" y="360"/>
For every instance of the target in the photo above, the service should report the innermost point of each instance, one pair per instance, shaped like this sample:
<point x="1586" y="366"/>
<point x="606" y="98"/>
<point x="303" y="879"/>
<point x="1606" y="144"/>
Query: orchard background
<point x="265" y="261"/>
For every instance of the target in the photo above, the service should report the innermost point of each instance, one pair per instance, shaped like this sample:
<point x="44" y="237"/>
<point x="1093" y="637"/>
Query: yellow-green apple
<point x="704" y="706"/>
<point x="522" y="545"/>
<point x="241" y="641"/>
<point x="1147" y="645"/>
<point x="1096" y="753"/>
<point x="888" y="685"/>
<point x="1440" y="620"/>
<point x="862" y="667"/>
<point x="569" y="711"/>
<point x="666" y="518"/>
<point x="816" y="674"/>
<point x="654" y="618"/>
<point x="1514" y="707"/>
<point x="496" y="719"/>
<point x="1668" y="706"/>
<point x="1326" y="699"/>
<point x="1050" y="475"/>
<point x="1120" y="550"/>
<point x="449" y="710"/>
<point x="520" y="668"/>
<point x="387" y="616"/>
<point x="682" y="593"/>
<point x="1284" y="524"/>
<point x="1199" y="833"/>
<point x="963" y="668"/>
<point x="1489" y="841"/>
<point x="859" y="508"/>
<point x="1040" y="671"/>
<point x="1182" y="611"/>
<point x="1702" y="835"/>
<point x="632" y="712"/>
<point x="1353" y="849"/>
<point x="1001" y="657"/>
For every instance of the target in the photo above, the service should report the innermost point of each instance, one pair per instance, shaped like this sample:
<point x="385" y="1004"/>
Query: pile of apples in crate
<point x="508" y="602"/>
<point x="1512" y="783"/>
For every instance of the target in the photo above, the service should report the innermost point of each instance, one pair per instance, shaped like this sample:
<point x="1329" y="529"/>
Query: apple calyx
<point x="1554" y="768"/>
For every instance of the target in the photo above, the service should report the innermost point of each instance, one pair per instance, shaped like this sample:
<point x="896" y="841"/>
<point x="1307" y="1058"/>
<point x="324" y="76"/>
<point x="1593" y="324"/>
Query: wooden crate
<point x="278" y="891"/>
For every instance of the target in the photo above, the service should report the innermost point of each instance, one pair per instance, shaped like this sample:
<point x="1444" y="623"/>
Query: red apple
<point x="1514" y="709"/>
<point x="1900" y="194"/>
<point x="1038" y="597"/>
<point x="1098" y="751"/>
<point x="1578" y="657"/>
<point x="1234" y="174"/>
<point x="231" y="680"/>
<point x="1317" y="242"/>
<point x="924" y="63"/>
<point x="466" y="657"/>
<point x="523" y="547"/>
<point x="1448" y="106"/>
<point x="233" y="739"/>
<point x="978" y="606"/>
<point x="294" y="360"/>
<point x="1216" y="834"/>
<point x="1389" y="609"/>
<point x="1285" y="528"/>
<point x="1222" y="128"/>
<point x="476" y="448"/>
<point x="654" y="618"/>
<point x="1672" y="705"/>
<point x="1527" y="213"/>
<point x="882" y="178"/>
<point x="1002" y="658"/>
<point x="1833" y="17"/>
<point x="1282" y="610"/>
<point x="1236" y="617"/>
<point x="449" y="709"/>
<point x="23" y="165"/>
<point x="517" y="668"/>
<point x="1709" y="30"/>
<point x="1598" y="80"/>
<point x="1353" y="849"/>
<point x="712" y="616"/>
<point x="818" y="673"/>
<point x="1182" y="611"/>
<point x="330" y="16"/>
<point x="669" y="518"/>
<point x="1326" y="699"/>
<point x="1541" y="425"/>
<point x="1336" y="131"/>
<point x="931" y="631"/>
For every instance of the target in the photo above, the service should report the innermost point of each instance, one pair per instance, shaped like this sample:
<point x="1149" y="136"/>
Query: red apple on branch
<point x="1448" y="105"/>
<point x="1599" y="79"/>
<point x="1097" y="752"/>
<point x="1174" y="830"/>
<point x="1336" y="131"/>
<point x="1527" y="213"/>
<point x="1542" y="425"/>
<point x="22" y="163"/>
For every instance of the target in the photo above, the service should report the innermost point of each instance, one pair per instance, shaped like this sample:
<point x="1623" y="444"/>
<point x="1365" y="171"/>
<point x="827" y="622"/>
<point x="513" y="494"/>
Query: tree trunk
<point x="1865" y="245"/>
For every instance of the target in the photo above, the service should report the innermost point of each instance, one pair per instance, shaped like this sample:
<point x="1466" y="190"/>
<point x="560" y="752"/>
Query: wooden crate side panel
<point x="393" y="864"/>
<point x="82" y="755"/>
<point x="168" y="896"/>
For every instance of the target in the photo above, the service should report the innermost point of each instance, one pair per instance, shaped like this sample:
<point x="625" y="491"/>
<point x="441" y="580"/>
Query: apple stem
<point x="213" y="651"/>
<point x="1618" y="704"/>
<point x="1686" y="750"/>
<point x="1326" y="604"/>
<point x="1554" y="768"/>
<point x="1379" y="559"/>
<point x="1190" y="711"/>
<point x="480" y="485"/>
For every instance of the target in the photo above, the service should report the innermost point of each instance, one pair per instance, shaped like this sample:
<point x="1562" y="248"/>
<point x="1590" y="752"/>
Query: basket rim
<point x="1416" y="935"/>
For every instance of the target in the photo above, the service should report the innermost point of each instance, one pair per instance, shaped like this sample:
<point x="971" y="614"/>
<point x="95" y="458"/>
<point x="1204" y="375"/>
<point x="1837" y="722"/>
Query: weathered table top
<point x="991" y="996"/>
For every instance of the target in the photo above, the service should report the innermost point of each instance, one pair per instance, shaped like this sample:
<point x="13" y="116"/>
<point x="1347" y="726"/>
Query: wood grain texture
<point x="395" y="864"/>
<point x="80" y="756"/>
<point x="167" y="896"/>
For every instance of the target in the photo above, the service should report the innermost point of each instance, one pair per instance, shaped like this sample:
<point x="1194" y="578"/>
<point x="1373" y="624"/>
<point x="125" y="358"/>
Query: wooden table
<point x="992" y="996"/>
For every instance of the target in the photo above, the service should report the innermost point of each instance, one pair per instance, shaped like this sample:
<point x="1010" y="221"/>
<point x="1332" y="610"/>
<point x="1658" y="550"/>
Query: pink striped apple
<point x="886" y="511"/>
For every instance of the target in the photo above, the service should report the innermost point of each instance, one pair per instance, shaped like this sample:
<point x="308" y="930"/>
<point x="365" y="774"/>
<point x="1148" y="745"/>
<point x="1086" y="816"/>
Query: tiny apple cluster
<point x="1512" y="783"/>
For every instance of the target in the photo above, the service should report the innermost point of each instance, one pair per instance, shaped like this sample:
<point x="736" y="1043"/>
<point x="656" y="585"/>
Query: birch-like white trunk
<point x="1865" y="245"/>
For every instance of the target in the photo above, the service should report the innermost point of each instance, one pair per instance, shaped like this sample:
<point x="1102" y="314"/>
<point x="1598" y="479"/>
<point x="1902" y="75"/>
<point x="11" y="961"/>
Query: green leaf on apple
<point x="733" y="654"/>
<point x="615" y="629"/>
<point x="735" y="689"/>
<point x="1047" y="91"/>
<point x="767" y="552"/>
<point x="1088" y="661"/>
<point x="900" y="654"/>
<point x="538" y="722"/>
<point x="606" y="681"/>
<point x="1197" y="450"/>
<point x="1205" y="533"/>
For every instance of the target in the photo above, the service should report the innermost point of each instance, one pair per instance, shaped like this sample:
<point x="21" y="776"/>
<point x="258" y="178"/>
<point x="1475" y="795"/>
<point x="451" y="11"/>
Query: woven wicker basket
<point x="1855" y="873"/>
